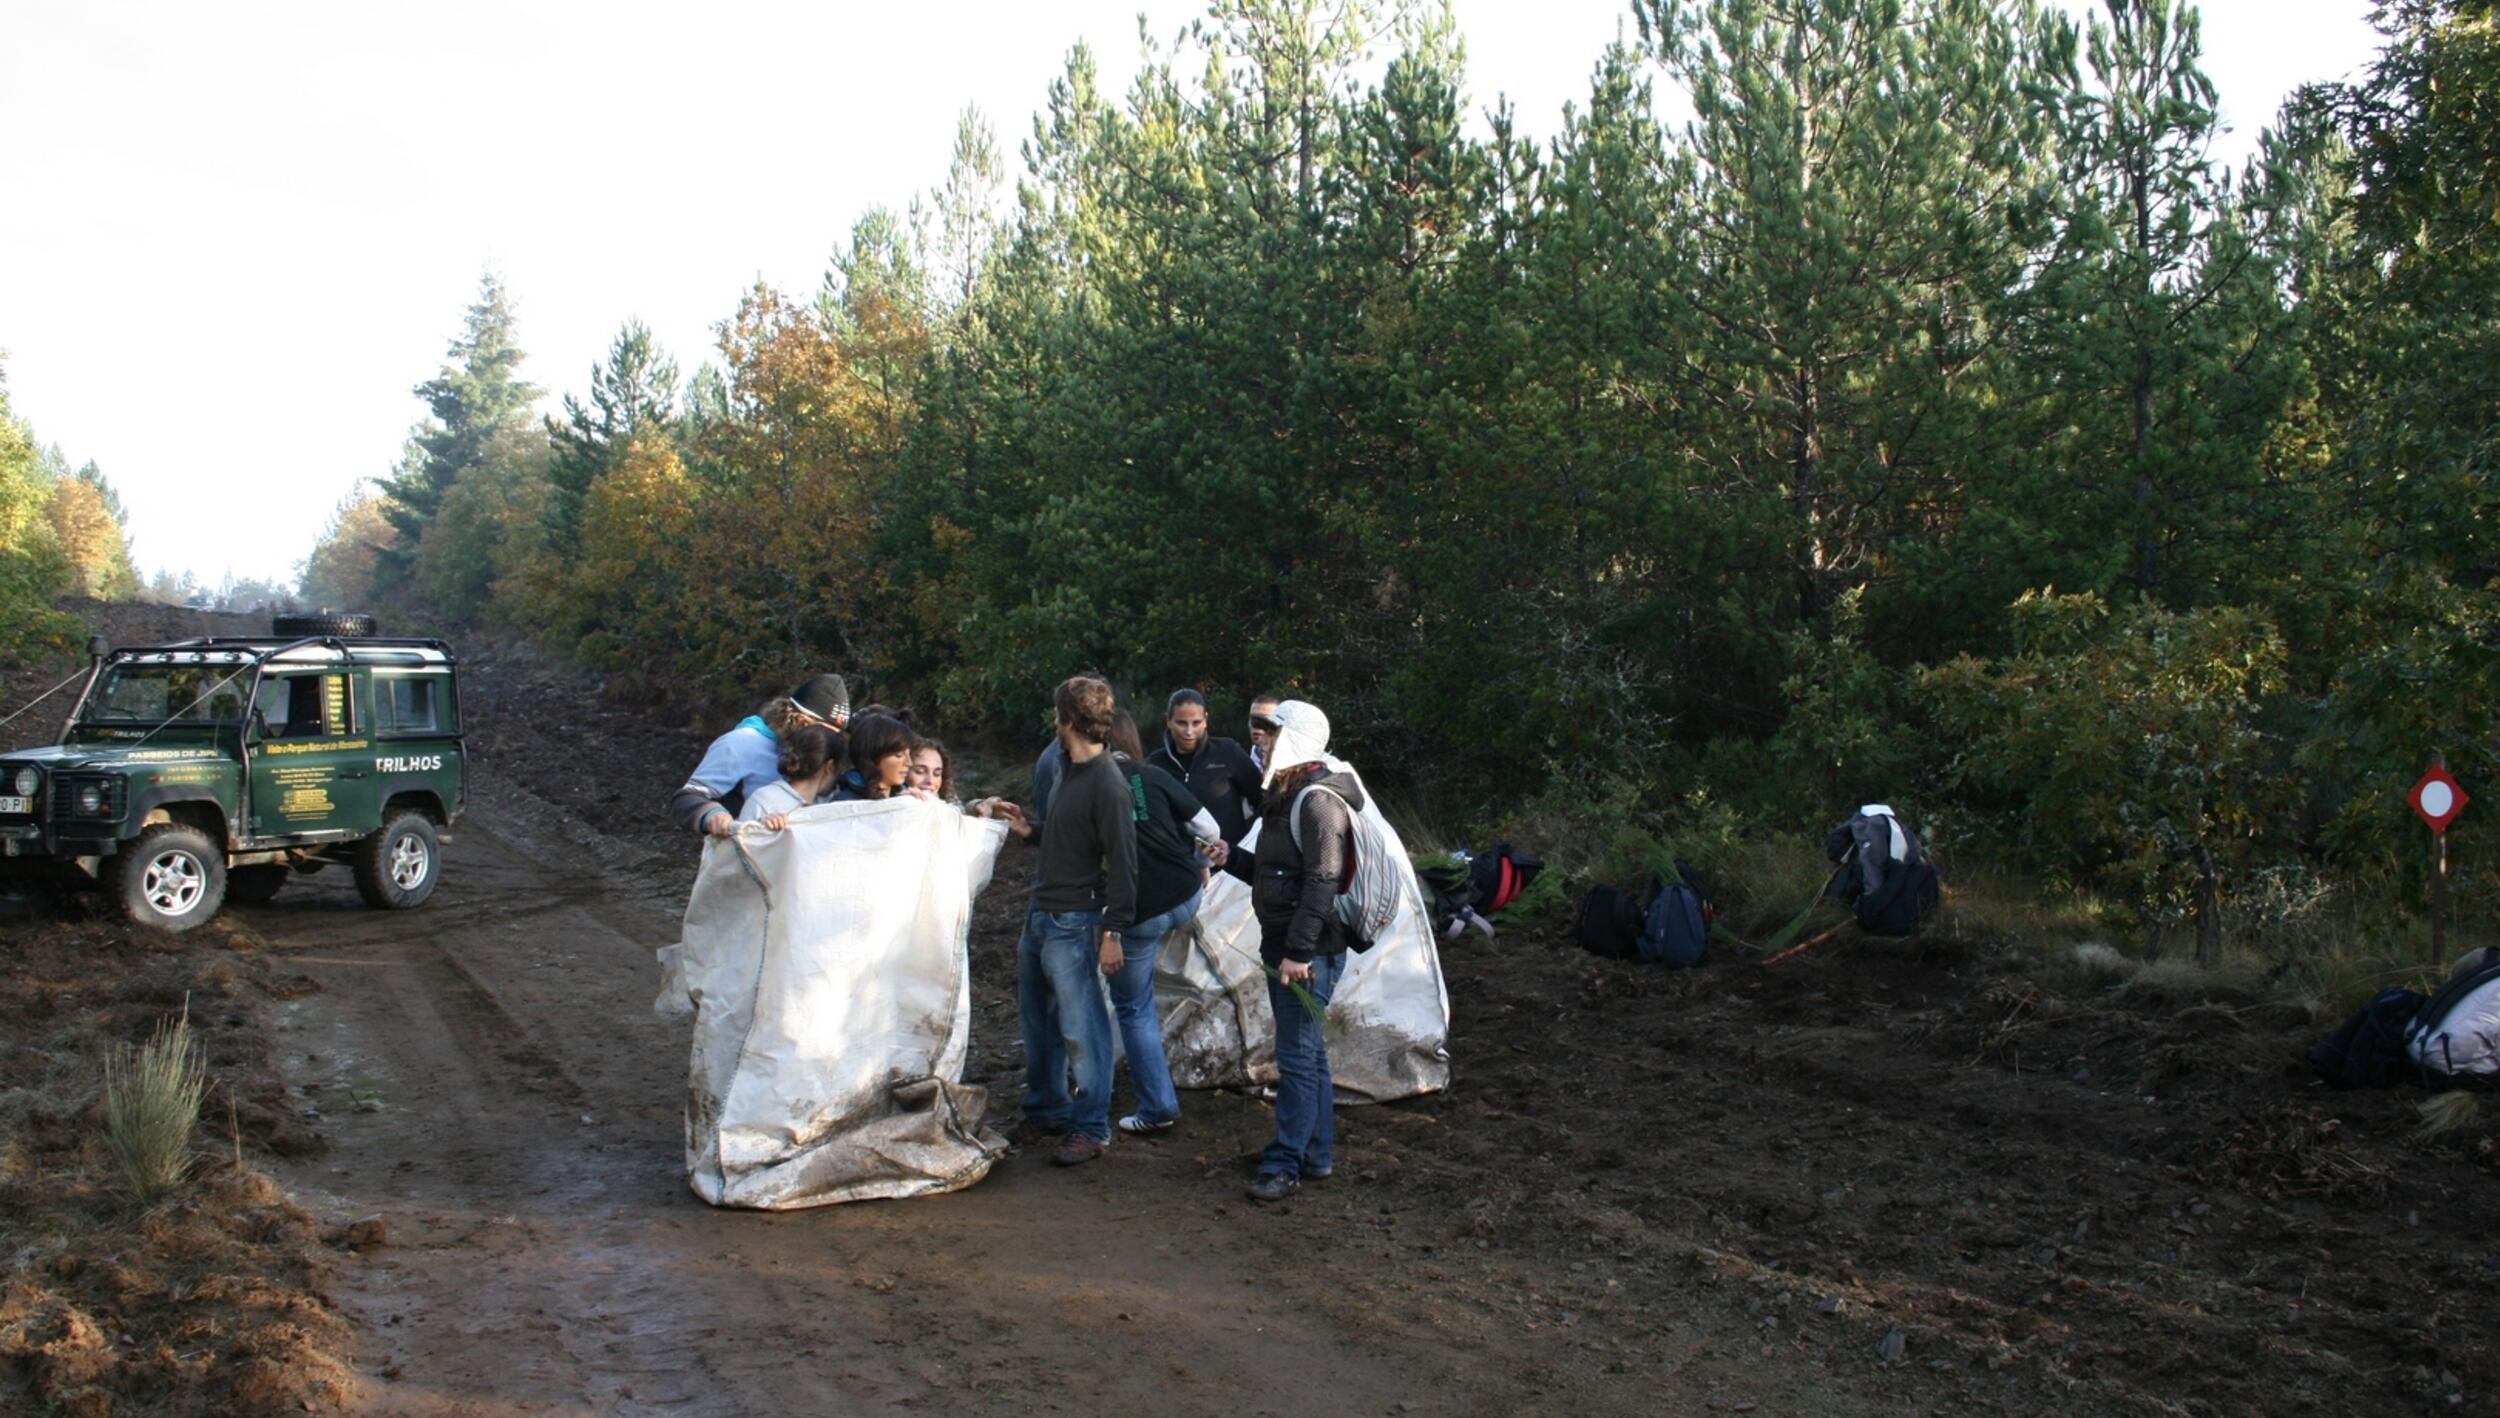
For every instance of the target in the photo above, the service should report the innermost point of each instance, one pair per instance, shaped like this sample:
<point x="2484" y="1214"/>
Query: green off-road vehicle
<point x="210" y="769"/>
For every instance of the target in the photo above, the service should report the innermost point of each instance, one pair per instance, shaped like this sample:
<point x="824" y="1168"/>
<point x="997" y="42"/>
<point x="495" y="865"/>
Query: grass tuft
<point x="2444" y="1113"/>
<point x="152" y="1097"/>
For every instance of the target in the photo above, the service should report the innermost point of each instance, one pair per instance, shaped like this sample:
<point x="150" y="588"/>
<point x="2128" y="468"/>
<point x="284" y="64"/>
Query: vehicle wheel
<point x="253" y="885"/>
<point x="322" y="623"/>
<point x="171" y="877"/>
<point x="396" y="867"/>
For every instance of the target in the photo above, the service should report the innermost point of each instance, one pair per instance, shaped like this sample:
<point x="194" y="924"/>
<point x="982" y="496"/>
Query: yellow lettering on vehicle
<point x="282" y="749"/>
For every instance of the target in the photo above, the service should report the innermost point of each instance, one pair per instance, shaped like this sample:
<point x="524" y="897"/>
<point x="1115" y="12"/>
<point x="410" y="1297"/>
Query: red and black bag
<point x="1497" y="875"/>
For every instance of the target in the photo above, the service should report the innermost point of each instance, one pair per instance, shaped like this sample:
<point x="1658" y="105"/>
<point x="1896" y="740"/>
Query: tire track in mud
<point x="495" y="1086"/>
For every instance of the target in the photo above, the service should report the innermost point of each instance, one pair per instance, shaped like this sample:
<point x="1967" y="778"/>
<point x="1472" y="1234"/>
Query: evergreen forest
<point x="1928" y="417"/>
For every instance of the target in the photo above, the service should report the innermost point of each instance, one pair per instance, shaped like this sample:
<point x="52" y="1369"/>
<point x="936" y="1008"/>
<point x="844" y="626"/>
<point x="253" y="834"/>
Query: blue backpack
<point x="1676" y="928"/>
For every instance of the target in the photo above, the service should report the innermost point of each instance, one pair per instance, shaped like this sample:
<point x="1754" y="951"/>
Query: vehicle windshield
<point x="181" y="694"/>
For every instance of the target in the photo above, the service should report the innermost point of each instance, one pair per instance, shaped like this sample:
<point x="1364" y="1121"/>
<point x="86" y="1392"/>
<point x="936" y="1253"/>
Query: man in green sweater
<point x="1084" y="896"/>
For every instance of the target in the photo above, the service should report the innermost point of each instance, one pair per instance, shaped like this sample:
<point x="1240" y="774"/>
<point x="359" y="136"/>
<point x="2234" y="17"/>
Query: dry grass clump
<point x="152" y="1107"/>
<point x="2444" y="1113"/>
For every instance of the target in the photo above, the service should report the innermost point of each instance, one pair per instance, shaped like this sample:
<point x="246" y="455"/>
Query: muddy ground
<point x="1942" y="1177"/>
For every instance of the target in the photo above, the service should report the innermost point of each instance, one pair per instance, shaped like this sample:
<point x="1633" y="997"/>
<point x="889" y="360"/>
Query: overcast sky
<point x="238" y="234"/>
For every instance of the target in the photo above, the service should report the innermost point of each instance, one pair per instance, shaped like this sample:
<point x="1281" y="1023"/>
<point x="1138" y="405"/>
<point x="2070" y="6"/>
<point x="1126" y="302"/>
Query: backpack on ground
<point x="2456" y="1032"/>
<point x="2369" y="1050"/>
<point x="1498" y="875"/>
<point x="1449" y="889"/>
<point x="1668" y="926"/>
<point x="1676" y="928"/>
<point x="1906" y="888"/>
<point x="1610" y="924"/>
<point x="1367" y="900"/>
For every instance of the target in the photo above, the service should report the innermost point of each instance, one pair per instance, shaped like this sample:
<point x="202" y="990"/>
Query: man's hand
<point x="773" y="821"/>
<point x="1112" y="956"/>
<point x="1215" y="852"/>
<point x="720" y="823"/>
<point x="1295" y="972"/>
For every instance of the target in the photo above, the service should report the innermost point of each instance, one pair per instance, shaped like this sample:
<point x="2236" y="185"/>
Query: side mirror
<point x="98" y="647"/>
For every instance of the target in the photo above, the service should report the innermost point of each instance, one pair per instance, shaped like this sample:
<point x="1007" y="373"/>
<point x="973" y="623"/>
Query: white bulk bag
<point x="827" y="970"/>
<point x="1388" y="1023"/>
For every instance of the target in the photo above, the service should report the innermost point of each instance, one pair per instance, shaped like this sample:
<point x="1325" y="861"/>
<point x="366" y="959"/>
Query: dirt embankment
<point x="213" y="1300"/>
<point x="1878" y="1179"/>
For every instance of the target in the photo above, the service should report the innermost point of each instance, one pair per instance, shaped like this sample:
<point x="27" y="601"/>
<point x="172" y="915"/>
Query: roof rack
<point x="352" y="647"/>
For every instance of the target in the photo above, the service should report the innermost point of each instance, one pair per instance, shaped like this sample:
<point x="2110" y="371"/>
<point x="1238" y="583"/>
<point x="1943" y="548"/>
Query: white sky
<point x="236" y="235"/>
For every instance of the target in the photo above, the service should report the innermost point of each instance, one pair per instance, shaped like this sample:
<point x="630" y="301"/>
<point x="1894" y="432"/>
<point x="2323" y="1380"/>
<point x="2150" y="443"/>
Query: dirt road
<point x="1883" y="1180"/>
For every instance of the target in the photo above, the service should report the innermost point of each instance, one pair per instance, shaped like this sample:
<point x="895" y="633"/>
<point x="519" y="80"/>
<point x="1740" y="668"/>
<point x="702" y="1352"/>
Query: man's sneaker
<point x="1273" y="1186"/>
<point x="1077" y="1148"/>
<point x="1319" y="1174"/>
<point x="1135" y="1125"/>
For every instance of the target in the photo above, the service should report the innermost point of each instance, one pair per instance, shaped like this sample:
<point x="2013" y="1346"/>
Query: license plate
<point x="17" y="805"/>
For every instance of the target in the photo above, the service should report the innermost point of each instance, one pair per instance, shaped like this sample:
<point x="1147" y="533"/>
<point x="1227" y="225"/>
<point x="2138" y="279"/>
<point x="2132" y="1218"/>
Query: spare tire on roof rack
<point x="301" y="623"/>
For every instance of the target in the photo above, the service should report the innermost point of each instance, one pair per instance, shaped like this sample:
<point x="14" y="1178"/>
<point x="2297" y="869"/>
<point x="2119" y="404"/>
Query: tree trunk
<point x="2208" y="909"/>
<point x="1808" y="492"/>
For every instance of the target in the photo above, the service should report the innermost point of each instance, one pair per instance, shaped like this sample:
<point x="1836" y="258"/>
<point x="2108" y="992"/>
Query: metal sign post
<point x="2438" y="798"/>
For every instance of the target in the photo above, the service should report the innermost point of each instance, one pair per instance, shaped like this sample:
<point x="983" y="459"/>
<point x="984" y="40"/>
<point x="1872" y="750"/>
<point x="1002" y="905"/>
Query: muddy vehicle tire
<point x="253" y="885"/>
<point x="171" y="877"/>
<point x="396" y="867"/>
<point x="321" y="623"/>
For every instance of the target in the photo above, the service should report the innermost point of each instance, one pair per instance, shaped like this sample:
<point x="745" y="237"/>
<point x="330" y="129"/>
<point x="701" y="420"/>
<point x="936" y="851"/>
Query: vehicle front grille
<point x="67" y="791"/>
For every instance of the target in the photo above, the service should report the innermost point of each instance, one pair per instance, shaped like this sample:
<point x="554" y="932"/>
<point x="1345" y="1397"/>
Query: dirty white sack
<point x="1388" y="1024"/>
<point x="827" y="971"/>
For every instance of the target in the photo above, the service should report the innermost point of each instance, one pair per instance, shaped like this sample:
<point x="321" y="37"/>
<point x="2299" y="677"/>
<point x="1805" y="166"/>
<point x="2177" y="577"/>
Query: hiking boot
<point x="1077" y="1148"/>
<point x="1274" y="1186"/>
<point x="1135" y="1125"/>
<point x="1028" y="1133"/>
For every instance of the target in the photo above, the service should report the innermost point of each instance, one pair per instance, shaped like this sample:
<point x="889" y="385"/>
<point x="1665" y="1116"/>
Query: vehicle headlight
<point x="27" y="781"/>
<point x="91" y="798"/>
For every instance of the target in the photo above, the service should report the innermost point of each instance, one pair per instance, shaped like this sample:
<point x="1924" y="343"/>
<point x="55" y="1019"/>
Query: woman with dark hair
<point x="1217" y="771"/>
<point x="1305" y="839"/>
<point x="880" y="749"/>
<point x="1172" y="831"/>
<point x="931" y="776"/>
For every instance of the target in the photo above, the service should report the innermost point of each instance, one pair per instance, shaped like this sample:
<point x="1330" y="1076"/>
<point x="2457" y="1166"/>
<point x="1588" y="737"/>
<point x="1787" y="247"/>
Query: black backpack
<point x="1667" y="926"/>
<point x="2368" y="1050"/>
<point x="1910" y="893"/>
<point x="1610" y="924"/>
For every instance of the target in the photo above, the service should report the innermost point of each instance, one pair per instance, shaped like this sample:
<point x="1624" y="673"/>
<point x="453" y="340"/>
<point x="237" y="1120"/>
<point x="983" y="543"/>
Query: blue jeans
<point x="1066" y="1028"/>
<point x="1306" y="1097"/>
<point x="1141" y="1025"/>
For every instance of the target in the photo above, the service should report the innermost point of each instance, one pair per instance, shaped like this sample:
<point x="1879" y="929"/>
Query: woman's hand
<point x="1112" y="956"/>
<point x="1215" y="852"/>
<point x="773" y="821"/>
<point x="1295" y="972"/>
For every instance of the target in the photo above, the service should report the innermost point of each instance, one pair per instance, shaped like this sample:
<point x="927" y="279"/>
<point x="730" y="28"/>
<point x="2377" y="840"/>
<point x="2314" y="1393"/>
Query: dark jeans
<point x="1066" y="1028"/>
<point x="1306" y="1097"/>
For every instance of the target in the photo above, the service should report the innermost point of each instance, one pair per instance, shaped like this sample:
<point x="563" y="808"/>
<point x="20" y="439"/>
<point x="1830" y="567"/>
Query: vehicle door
<point x="312" y="760"/>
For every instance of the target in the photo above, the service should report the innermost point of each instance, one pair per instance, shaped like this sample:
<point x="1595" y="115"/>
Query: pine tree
<point x="478" y="397"/>
<point x="632" y="395"/>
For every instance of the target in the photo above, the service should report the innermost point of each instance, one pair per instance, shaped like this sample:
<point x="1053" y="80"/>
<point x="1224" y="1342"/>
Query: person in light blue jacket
<point x="749" y="756"/>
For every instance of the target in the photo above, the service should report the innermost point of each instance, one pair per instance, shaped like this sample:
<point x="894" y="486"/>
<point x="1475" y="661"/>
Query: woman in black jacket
<point x="1175" y="841"/>
<point x="1219" y="772"/>
<point x="1293" y="893"/>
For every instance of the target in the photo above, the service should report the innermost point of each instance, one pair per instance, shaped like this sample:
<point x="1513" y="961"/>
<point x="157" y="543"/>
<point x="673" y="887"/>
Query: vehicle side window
<point x="305" y="707"/>
<point x="406" y="706"/>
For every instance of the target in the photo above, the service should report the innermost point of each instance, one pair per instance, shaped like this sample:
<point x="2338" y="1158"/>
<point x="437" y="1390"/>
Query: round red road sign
<point x="2438" y="798"/>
